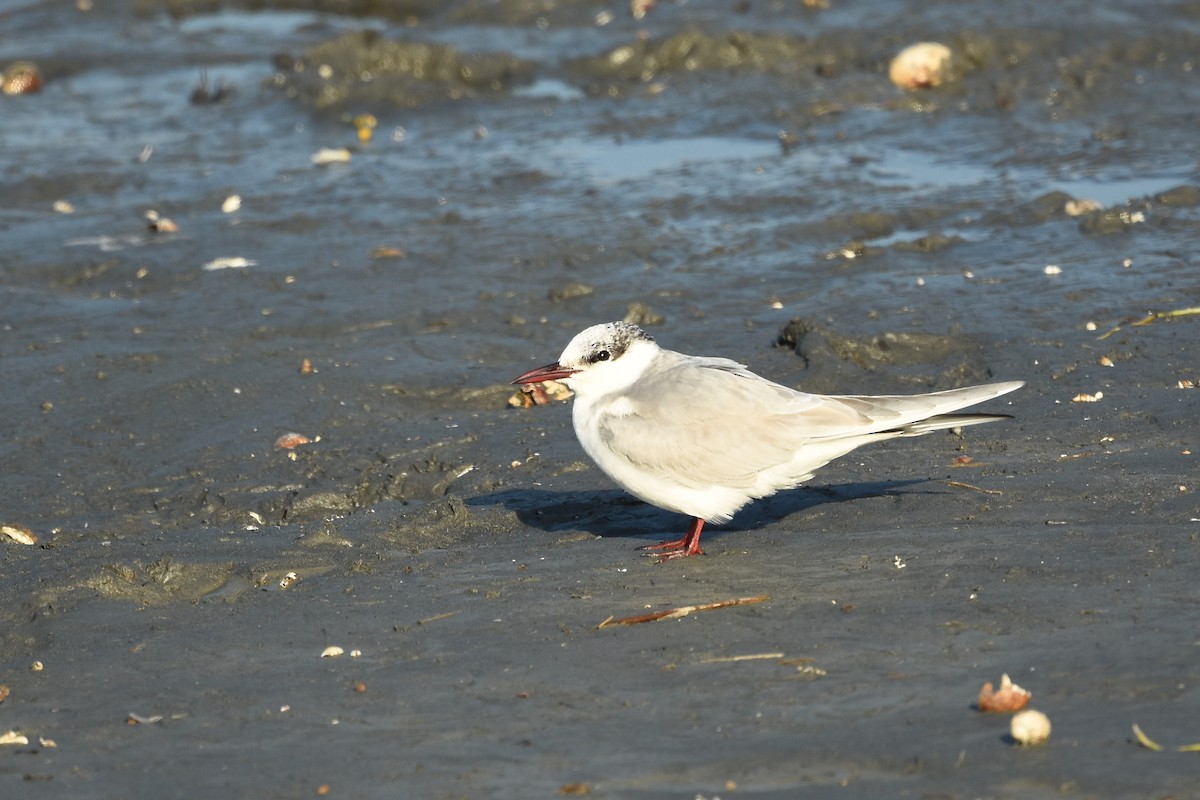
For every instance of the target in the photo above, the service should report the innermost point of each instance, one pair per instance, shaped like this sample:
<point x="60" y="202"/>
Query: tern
<point x="704" y="436"/>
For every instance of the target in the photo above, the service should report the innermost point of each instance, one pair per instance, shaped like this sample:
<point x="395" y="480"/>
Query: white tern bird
<point x="705" y="436"/>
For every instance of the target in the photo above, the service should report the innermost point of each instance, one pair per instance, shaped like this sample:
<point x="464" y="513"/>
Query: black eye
<point x="603" y="355"/>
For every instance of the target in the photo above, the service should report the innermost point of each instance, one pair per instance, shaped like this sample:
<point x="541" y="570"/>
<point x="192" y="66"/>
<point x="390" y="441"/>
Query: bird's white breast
<point x="711" y="503"/>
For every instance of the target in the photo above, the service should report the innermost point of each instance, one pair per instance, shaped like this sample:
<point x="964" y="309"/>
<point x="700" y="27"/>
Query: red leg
<point x="688" y="545"/>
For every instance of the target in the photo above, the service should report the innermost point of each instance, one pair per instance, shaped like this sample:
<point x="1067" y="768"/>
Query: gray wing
<point x="711" y="422"/>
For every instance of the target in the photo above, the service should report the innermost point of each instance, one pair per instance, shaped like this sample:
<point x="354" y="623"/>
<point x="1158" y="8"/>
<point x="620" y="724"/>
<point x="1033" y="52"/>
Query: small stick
<point x="436" y="617"/>
<point x="1152" y="316"/>
<point x="747" y="657"/>
<point x="961" y="485"/>
<point x="682" y="611"/>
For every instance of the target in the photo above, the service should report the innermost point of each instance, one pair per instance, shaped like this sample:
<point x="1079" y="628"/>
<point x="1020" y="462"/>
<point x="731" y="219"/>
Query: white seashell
<point x="331" y="155"/>
<point x="1030" y="727"/>
<point x="19" y="534"/>
<point x="232" y="262"/>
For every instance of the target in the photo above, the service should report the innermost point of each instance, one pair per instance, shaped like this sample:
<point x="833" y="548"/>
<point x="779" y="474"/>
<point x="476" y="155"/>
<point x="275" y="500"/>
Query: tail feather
<point x="913" y="415"/>
<point x="943" y="421"/>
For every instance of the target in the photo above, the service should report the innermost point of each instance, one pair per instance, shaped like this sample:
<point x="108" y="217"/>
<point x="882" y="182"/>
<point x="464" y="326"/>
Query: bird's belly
<point x="659" y="487"/>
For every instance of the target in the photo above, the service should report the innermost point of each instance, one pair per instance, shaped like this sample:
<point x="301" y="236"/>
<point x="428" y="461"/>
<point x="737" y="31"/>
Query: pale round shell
<point x="1030" y="727"/>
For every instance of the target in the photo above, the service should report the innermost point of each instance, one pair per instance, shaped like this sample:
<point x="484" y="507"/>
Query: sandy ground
<point x="730" y="176"/>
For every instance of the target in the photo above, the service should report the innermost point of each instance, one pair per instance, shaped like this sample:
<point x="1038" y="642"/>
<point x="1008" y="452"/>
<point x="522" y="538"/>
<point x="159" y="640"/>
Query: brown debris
<point x="972" y="487"/>
<point x="1155" y="315"/>
<point x="540" y="394"/>
<point x="1005" y="700"/>
<point x="682" y="611"/>
<point x="291" y="440"/>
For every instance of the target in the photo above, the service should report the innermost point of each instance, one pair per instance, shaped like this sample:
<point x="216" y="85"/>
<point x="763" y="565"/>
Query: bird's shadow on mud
<point x="615" y="513"/>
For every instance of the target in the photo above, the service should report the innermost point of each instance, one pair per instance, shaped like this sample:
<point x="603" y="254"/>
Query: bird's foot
<point x="676" y="548"/>
<point x="686" y="545"/>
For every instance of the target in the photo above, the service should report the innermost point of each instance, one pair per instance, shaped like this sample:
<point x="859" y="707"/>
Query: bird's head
<point x="600" y="359"/>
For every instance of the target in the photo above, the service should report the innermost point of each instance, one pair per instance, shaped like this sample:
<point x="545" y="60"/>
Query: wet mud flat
<point x="741" y="180"/>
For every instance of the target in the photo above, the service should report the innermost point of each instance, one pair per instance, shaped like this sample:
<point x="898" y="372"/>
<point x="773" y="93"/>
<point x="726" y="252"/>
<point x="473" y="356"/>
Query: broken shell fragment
<point x="19" y="534"/>
<point x="638" y="8"/>
<point x="1030" y="727"/>
<point x="921" y="66"/>
<point x="160" y="224"/>
<point x="331" y="155"/>
<point x="287" y="580"/>
<point x="22" y="77"/>
<point x="12" y="737"/>
<point x="1083" y="397"/>
<point x="1008" y="698"/>
<point x="332" y="651"/>
<point x="1077" y="208"/>
<point x="290" y="440"/>
<point x="230" y="262"/>
<point x="540" y="394"/>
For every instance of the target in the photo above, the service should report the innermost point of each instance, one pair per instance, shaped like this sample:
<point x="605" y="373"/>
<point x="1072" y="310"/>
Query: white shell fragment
<point x="332" y="651"/>
<point x="1030" y="727"/>
<point x="18" y="534"/>
<point x="158" y="223"/>
<point x="1081" y="206"/>
<point x="12" y="737"/>
<point x="232" y="203"/>
<point x="232" y="262"/>
<point x="921" y="66"/>
<point x="1083" y="397"/>
<point x="331" y="155"/>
